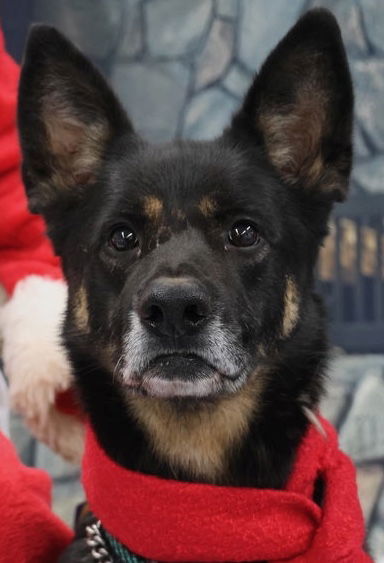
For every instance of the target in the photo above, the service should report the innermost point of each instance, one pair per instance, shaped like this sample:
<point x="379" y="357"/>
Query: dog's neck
<point x="197" y="437"/>
<point x="248" y="439"/>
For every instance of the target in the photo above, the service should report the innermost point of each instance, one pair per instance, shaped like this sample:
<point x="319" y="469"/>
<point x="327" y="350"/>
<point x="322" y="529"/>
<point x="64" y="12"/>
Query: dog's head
<point x="189" y="264"/>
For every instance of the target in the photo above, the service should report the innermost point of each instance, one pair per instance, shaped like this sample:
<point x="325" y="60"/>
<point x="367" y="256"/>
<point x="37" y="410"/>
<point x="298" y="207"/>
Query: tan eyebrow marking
<point x="81" y="309"/>
<point x="207" y="206"/>
<point x="153" y="207"/>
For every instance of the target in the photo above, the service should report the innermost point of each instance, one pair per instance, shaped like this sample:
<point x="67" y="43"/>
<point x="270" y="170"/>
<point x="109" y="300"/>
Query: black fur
<point x="301" y="102"/>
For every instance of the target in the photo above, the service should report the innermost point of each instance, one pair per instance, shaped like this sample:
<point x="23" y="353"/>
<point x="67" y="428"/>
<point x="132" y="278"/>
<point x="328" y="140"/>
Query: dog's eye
<point x="123" y="238"/>
<point x="243" y="234"/>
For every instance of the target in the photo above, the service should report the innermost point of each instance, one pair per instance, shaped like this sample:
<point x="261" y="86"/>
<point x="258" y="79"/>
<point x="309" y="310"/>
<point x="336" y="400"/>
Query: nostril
<point x="194" y="314"/>
<point x="154" y="315"/>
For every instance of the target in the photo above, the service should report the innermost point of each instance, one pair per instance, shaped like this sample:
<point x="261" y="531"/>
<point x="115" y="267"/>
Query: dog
<point x="198" y="344"/>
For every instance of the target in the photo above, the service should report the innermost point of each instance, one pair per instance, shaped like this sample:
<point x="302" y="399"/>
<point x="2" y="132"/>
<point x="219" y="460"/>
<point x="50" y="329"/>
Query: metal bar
<point x="363" y="332"/>
<point x="359" y="293"/>
<point x="337" y="286"/>
<point x="379" y="282"/>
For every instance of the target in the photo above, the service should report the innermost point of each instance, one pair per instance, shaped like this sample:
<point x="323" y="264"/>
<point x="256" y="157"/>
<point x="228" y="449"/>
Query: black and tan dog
<point x="196" y="339"/>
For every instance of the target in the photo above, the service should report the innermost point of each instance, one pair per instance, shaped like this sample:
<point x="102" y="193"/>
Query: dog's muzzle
<point x="176" y="345"/>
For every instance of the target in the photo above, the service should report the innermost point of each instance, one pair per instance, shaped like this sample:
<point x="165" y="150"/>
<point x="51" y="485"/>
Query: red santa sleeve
<point x="24" y="248"/>
<point x="30" y="322"/>
<point x="29" y="530"/>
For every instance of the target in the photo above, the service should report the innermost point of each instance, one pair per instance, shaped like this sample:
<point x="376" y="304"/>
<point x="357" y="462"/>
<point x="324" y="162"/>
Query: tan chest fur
<point x="198" y="440"/>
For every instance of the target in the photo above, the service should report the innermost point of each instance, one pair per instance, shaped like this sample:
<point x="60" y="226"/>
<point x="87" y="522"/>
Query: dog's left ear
<point x="67" y="118"/>
<point x="300" y="108"/>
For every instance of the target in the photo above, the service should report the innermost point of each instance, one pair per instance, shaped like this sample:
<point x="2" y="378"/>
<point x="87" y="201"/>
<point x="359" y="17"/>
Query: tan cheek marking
<point x="153" y="208"/>
<point x="207" y="206"/>
<point x="81" y="312"/>
<point x="291" y="307"/>
<point x="199" y="441"/>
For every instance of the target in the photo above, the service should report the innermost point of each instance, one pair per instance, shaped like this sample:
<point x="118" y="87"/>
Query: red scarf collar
<point x="168" y="520"/>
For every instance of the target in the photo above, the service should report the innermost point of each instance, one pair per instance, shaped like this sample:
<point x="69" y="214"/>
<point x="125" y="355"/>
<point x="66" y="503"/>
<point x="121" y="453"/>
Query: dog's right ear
<point x="67" y="117"/>
<point x="299" y="108"/>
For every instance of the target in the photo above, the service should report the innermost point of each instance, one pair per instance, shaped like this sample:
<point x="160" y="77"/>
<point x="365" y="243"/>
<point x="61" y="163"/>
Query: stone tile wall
<point x="354" y="404"/>
<point x="181" y="67"/>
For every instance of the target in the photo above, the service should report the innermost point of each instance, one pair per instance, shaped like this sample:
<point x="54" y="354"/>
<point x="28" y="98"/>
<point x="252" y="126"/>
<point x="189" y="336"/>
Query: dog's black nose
<point x="174" y="306"/>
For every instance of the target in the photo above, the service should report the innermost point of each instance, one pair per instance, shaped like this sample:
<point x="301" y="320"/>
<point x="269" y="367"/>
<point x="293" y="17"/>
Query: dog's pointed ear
<point x="300" y="107"/>
<point x="67" y="117"/>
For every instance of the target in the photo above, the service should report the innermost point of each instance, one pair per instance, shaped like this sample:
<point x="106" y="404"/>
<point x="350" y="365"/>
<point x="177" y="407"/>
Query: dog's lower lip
<point x="177" y="375"/>
<point x="189" y="367"/>
<point x="188" y="357"/>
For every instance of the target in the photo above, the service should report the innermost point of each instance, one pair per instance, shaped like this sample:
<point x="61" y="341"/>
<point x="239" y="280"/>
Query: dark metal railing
<point x="351" y="274"/>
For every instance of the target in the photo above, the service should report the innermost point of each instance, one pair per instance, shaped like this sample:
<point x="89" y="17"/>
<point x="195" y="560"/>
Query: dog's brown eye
<point x="243" y="234"/>
<point x="123" y="238"/>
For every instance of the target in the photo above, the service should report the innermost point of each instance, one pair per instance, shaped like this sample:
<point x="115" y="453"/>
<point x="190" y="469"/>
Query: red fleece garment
<point x="29" y="531"/>
<point x="24" y="248"/>
<point x="168" y="520"/>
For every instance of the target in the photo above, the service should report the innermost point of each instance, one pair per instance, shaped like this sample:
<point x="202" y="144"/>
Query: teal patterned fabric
<point x="119" y="553"/>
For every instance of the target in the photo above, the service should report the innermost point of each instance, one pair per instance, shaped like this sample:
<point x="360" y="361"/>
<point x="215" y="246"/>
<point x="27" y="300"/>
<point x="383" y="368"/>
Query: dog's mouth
<point x="179" y="375"/>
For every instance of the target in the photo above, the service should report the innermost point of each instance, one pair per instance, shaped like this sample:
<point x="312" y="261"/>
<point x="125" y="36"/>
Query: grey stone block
<point x="361" y="434"/>
<point x="350" y="369"/>
<point x="176" y="28"/>
<point x="368" y="75"/>
<point x="369" y="483"/>
<point x="338" y="395"/>
<point x="237" y="81"/>
<point x="216" y="55"/>
<point x="376" y="536"/>
<point x="153" y="95"/>
<point x="66" y="496"/>
<point x="227" y="8"/>
<point x="46" y="459"/>
<point x="369" y="174"/>
<point x="208" y="113"/>
<point x="4" y="405"/>
<point x="349" y="16"/>
<point x="132" y="40"/>
<point x="93" y="26"/>
<point x="23" y="439"/>
<point x="373" y="15"/>
<point x="361" y="149"/>
<point x="263" y="23"/>
<point x="346" y="372"/>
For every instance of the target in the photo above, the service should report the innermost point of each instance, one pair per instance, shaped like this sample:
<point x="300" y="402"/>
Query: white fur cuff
<point x="34" y="359"/>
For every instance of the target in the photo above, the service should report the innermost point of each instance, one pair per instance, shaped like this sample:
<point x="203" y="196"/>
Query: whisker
<point x="117" y="366"/>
